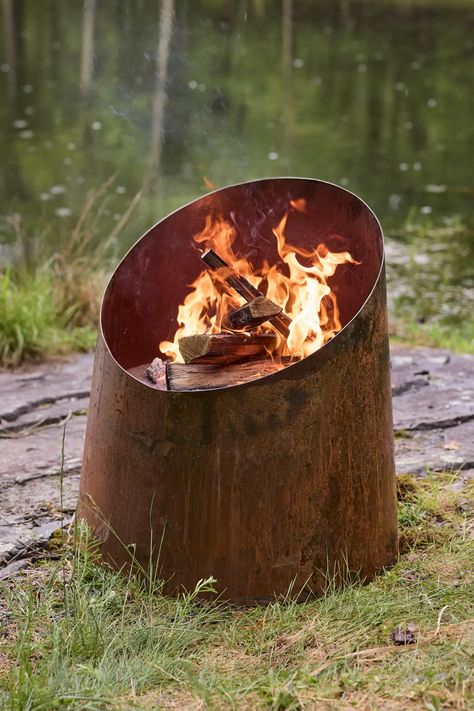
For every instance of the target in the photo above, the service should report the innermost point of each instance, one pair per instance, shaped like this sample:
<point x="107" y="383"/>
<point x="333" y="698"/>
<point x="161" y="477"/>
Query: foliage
<point x="81" y="636"/>
<point x="432" y="307"/>
<point x="458" y="338"/>
<point x="50" y="298"/>
<point x="31" y="323"/>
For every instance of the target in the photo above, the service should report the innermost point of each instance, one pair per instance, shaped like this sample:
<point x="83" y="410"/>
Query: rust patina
<point x="266" y="485"/>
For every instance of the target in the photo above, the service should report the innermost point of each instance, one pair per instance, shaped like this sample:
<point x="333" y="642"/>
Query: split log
<point x="252" y="314"/>
<point x="225" y="347"/>
<point x="230" y="276"/>
<point x="181" y="377"/>
<point x="243" y="287"/>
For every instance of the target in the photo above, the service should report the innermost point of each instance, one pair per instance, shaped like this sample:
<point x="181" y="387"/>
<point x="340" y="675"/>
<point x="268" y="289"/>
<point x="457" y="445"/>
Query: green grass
<point x="458" y="338"/>
<point x="80" y="636"/>
<point x="50" y="297"/>
<point x="32" y="323"/>
<point x="431" y="299"/>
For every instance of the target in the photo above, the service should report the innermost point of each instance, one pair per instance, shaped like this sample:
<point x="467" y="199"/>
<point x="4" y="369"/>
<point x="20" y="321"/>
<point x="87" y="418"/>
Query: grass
<point x="431" y="286"/>
<point x="459" y="339"/>
<point x="50" y="299"/>
<point x="80" y="636"/>
<point x="33" y="323"/>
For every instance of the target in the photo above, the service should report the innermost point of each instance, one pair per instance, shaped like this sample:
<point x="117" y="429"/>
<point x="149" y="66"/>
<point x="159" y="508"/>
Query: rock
<point x="46" y="395"/>
<point x="404" y="635"/>
<point x="464" y="476"/>
<point x="31" y="511"/>
<point x="431" y="389"/>
<point x="22" y="540"/>
<point x="10" y="570"/>
<point x="37" y="453"/>
<point x="34" y="406"/>
<point x="436" y="450"/>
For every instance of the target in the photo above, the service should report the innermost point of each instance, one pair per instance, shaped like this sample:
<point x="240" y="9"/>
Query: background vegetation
<point x="370" y="95"/>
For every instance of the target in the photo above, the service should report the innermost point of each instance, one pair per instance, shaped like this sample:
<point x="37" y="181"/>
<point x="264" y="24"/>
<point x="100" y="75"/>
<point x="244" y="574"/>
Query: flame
<point x="209" y="184"/>
<point x="299" y="204"/>
<point x="301" y="288"/>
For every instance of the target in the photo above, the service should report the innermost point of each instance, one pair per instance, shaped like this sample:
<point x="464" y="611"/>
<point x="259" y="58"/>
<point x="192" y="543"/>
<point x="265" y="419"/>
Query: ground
<point x="77" y="636"/>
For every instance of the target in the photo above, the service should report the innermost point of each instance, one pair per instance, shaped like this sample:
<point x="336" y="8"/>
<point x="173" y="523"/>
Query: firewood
<point x="156" y="371"/>
<point x="252" y="314"/>
<point x="182" y="377"/>
<point x="225" y="347"/>
<point x="231" y="277"/>
<point x="243" y="287"/>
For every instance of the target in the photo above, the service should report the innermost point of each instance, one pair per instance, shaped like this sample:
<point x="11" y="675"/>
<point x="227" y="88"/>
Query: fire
<point x="209" y="184"/>
<point x="301" y="289"/>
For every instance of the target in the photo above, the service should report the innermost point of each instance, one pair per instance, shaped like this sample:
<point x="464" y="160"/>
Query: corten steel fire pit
<point x="271" y="484"/>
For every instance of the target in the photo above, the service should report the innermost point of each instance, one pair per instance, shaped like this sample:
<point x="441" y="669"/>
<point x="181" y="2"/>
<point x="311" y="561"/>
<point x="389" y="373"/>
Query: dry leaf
<point x="452" y="444"/>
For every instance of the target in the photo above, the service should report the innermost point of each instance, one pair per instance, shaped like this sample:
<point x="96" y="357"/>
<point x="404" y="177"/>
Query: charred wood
<point x="243" y="287"/>
<point x="252" y="314"/>
<point x="156" y="371"/>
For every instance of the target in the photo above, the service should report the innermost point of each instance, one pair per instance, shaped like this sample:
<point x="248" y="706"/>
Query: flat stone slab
<point x="44" y="396"/>
<point x="431" y="388"/>
<point x="449" y="449"/>
<point x="35" y="453"/>
<point x="433" y="406"/>
<point x="33" y="510"/>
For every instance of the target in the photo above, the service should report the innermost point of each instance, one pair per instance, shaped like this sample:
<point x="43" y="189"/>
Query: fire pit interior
<point x="262" y="276"/>
<point x="240" y="422"/>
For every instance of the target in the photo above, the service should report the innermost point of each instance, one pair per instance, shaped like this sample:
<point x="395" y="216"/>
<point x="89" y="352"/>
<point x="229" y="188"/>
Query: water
<point x="374" y="96"/>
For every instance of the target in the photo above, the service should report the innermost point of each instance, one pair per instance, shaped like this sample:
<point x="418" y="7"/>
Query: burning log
<point x="253" y="314"/>
<point x="181" y="377"/>
<point x="237" y="282"/>
<point x="243" y="287"/>
<point x="225" y="347"/>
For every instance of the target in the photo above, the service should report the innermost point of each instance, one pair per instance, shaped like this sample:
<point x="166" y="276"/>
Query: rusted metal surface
<point x="263" y="485"/>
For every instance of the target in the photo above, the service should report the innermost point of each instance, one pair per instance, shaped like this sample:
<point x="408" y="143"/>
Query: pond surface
<point x="373" y="95"/>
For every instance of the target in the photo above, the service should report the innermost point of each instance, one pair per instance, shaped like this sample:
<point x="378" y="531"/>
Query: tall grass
<point x="50" y="295"/>
<point x="34" y="323"/>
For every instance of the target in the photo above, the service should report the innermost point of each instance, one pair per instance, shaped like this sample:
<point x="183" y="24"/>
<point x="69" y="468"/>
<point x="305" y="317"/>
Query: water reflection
<point x="370" y="95"/>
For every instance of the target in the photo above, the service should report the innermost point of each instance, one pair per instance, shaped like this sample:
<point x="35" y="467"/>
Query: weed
<point x="50" y="300"/>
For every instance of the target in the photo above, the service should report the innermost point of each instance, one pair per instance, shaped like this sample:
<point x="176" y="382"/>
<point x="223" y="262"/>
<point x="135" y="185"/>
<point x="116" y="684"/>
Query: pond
<point x="174" y="96"/>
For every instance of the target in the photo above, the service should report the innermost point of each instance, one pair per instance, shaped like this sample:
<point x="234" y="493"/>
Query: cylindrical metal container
<point x="269" y="485"/>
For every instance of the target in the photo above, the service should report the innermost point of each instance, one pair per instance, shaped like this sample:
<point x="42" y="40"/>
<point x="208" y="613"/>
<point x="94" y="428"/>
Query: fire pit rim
<point x="323" y="354"/>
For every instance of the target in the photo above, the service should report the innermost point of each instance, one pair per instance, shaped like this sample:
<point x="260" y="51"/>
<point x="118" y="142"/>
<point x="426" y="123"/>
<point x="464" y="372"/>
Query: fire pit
<point x="240" y="419"/>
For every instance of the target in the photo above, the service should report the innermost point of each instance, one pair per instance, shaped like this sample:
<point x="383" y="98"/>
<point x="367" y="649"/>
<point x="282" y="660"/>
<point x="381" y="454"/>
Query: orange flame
<point x="302" y="292"/>
<point x="209" y="184"/>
